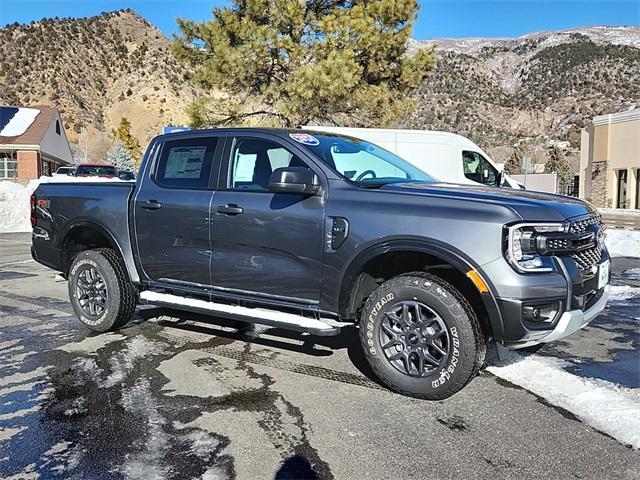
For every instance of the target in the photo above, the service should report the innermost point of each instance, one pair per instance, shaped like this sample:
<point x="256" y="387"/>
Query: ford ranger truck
<point x="313" y="232"/>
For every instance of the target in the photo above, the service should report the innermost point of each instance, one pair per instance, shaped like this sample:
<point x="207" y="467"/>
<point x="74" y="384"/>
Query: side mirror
<point x="500" y="180"/>
<point x="300" y="180"/>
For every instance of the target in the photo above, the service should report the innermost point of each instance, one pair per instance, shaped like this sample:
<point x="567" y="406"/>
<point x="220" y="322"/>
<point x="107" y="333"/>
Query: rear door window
<point x="186" y="163"/>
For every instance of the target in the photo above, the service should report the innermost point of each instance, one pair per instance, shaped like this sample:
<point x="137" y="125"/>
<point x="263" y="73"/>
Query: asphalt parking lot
<point x="180" y="396"/>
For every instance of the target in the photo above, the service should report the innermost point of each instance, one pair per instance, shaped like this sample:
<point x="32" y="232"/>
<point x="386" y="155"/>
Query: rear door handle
<point x="230" y="209"/>
<point x="151" y="205"/>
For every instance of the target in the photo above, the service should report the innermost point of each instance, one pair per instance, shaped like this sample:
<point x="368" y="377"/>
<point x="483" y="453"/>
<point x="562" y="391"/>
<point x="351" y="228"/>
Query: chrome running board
<point x="263" y="316"/>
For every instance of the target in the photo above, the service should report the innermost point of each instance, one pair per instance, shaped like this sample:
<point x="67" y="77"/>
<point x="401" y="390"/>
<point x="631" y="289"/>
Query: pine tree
<point x="120" y="157"/>
<point x="287" y="63"/>
<point x="124" y="136"/>
<point x="559" y="164"/>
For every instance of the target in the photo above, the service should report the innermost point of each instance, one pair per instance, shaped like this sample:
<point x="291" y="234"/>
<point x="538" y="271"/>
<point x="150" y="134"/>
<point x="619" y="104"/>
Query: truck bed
<point x="64" y="207"/>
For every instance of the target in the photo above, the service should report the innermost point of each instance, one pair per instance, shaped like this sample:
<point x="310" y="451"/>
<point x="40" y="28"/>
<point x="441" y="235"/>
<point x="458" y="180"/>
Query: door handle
<point x="151" y="205"/>
<point x="230" y="209"/>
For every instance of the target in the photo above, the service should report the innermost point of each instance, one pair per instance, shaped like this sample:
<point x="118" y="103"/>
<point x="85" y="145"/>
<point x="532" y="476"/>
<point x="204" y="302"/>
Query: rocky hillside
<point x="95" y="70"/>
<point x="532" y="90"/>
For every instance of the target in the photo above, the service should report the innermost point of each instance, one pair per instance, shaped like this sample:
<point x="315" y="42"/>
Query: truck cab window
<point x="253" y="160"/>
<point x="186" y="163"/>
<point x="478" y="169"/>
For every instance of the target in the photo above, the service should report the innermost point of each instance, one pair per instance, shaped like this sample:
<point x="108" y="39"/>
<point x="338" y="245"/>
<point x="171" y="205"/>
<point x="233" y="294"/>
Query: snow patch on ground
<point x="608" y="407"/>
<point x="621" y="293"/>
<point x="147" y="463"/>
<point x="91" y="344"/>
<point x="623" y="243"/>
<point x="123" y="363"/>
<point x="14" y="200"/>
<point x="632" y="274"/>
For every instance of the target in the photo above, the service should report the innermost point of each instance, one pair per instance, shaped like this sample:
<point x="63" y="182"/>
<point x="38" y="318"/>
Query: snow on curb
<point x="608" y="407"/>
<point x="14" y="200"/>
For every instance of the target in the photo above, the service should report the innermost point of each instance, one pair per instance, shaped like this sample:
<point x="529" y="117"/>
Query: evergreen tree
<point x="124" y="136"/>
<point x="283" y="62"/>
<point x="120" y="157"/>
<point x="559" y="164"/>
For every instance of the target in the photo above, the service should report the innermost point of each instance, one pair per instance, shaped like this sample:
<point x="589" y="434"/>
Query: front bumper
<point x="572" y="321"/>
<point x="576" y="295"/>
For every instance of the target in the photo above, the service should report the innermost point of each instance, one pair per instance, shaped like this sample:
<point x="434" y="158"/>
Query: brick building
<point x="32" y="143"/>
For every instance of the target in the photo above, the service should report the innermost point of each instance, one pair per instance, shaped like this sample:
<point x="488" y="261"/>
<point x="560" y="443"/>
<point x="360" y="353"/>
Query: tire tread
<point x="408" y="279"/>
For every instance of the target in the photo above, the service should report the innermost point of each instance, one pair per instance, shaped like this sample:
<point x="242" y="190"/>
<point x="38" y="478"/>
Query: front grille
<point x="558" y="243"/>
<point x="589" y="258"/>
<point x="583" y="225"/>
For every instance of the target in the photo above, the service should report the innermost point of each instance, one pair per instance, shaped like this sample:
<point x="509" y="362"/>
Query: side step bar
<point x="263" y="316"/>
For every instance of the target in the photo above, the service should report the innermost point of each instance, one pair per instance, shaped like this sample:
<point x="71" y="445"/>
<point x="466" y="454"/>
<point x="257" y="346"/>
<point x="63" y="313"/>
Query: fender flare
<point x="436" y="248"/>
<point x="104" y="231"/>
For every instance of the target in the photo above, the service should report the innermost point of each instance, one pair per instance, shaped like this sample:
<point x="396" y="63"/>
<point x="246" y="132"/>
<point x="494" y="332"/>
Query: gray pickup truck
<point x="313" y="231"/>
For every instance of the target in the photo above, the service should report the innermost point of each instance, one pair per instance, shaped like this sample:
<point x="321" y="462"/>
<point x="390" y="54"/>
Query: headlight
<point x="527" y="249"/>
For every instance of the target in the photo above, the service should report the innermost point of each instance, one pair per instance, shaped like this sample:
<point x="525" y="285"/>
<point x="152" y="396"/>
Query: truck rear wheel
<point x="421" y="337"/>
<point x="100" y="291"/>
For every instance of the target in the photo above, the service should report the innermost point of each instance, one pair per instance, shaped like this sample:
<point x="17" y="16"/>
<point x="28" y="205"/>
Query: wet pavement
<point x="180" y="396"/>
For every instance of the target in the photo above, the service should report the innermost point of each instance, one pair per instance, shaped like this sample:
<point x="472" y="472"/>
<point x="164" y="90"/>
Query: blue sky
<point x="437" y="18"/>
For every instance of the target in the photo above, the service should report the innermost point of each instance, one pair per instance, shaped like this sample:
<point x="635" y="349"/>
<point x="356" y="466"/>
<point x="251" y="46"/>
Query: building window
<point x="637" y="188"/>
<point x="58" y="127"/>
<point x="8" y="165"/>
<point x="621" y="201"/>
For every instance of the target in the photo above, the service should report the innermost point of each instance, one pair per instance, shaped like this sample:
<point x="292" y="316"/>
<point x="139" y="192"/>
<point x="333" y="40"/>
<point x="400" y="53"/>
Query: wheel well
<point x="388" y="265"/>
<point x="82" y="238"/>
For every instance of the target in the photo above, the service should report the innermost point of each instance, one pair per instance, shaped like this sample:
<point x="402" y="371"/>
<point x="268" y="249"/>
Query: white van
<point x="446" y="156"/>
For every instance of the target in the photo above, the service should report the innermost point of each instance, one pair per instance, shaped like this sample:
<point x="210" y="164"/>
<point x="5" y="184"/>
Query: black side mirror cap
<point x="300" y="180"/>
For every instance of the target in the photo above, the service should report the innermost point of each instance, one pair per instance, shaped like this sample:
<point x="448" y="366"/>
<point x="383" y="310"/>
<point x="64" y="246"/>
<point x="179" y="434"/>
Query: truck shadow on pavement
<point x="269" y="337"/>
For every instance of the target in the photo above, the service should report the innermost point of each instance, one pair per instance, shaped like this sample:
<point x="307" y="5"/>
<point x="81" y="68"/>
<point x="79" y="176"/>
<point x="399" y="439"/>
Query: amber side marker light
<point x="478" y="281"/>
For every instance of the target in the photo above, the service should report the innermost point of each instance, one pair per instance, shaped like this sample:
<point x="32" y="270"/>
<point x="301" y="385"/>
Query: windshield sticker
<point x="305" y="138"/>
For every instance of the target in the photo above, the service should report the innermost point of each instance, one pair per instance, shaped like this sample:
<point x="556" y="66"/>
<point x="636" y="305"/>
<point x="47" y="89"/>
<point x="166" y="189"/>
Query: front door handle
<point x="230" y="209"/>
<point x="151" y="205"/>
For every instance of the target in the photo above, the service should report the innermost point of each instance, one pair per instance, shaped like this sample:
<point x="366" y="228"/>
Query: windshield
<point x="361" y="162"/>
<point x="96" y="170"/>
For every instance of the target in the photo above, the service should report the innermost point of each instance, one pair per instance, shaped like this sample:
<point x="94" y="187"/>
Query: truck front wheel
<point x="100" y="291"/>
<point x="421" y="337"/>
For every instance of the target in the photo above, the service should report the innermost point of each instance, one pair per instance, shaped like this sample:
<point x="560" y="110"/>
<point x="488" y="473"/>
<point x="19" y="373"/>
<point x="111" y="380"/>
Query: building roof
<point x="24" y="126"/>
<point x="628" y="116"/>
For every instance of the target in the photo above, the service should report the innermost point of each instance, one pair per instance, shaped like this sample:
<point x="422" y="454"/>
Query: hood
<point x="530" y="205"/>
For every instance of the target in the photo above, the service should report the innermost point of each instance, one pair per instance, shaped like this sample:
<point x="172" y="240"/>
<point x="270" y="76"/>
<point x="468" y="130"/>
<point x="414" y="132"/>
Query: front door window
<point x="479" y="169"/>
<point x="254" y="160"/>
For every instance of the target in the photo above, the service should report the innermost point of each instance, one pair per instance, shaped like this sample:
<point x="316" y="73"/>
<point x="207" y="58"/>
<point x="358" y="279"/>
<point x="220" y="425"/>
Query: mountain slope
<point x="95" y="70"/>
<point x="530" y="90"/>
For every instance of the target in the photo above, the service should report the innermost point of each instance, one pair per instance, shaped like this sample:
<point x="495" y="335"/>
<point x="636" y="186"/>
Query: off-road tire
<point x="121" y="298"/>
<point x="459" y="365"/>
